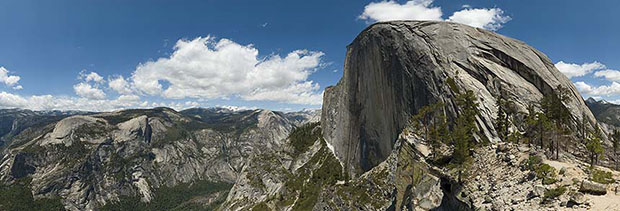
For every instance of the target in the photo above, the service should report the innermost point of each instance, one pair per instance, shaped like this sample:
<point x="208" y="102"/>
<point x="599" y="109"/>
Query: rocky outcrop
<point x="312" y="179"/>
<point x="394" y="68"/>
<point x="305" y="116"/>
<point x="402" y="182"/>
<point x="588" y="186"/>
<point x="606" y="113"/>
<point x="14" y="121"/>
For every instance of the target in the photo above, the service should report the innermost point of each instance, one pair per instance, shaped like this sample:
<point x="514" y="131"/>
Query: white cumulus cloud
<point x="610" y="75"/>
<point x="9" y="80"/>
<point x="392" y="10"/>
<point x="120" y="85"/>
<point x="576" y="70"/>
<point x="50" y="102"/>
<point x="203" y="68"/>
<point x="87" y="91"/>
<point x="605" y="90"/>
<point x="206" y="68"/>
<point x="92" y="76"/>
<point x="491" y="19"/>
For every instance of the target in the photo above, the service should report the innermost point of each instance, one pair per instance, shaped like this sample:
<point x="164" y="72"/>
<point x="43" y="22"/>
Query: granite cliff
<point x="394" y="68"/>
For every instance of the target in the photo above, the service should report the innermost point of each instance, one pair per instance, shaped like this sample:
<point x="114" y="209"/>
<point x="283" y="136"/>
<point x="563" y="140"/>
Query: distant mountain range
<point x="604" y="111"/>
<point x="90" y="160"/>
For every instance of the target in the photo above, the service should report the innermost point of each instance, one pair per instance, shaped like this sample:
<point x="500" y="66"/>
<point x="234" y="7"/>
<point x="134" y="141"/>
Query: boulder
<point x="539" y="190"/>
<point x="591" y="187"/>
<point x="577" y="198"/>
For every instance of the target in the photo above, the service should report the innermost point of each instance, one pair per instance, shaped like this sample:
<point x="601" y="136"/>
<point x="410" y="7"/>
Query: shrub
<point x="554" y="193"/>
<point x="543" y="170"/>
<point x="261" y="207"/>
<point x="602" y="177"/>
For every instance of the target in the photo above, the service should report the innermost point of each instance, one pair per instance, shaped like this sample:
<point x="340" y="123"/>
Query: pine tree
<point x="595" y="146"/>
<point x="465" y="129"/>
<point x="553" y="107"/>
<point x="584" y="125"/>
<point x="438" y="133"/>
<point x="541" y="124"/>
<point x="430" y="123"/>
<point x="502" y="122"/>
<point x="423" y="119"/>
<point x="562" y="118"/>
<point x="615" y="138"/>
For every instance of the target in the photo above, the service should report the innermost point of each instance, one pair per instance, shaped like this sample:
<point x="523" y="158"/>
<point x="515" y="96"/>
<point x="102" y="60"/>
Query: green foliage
<point x="537" y="123"/>
<point x="18" y="196"/>
<point x="554" y="193"/>
<point x="553" y="105"/>
<point x="465" y="128"/>
<point x="228" y="122"/>
<point x="167" y="198"/>
<point x="505" y="111"/>
<point x="547" y="173"/>
<point x="91" y="130"/>
<point x="452" y="85"/>
<point x="602" y="177"/>
<point x="430" y="122"/>
<point x="438" y="133"/>
<point x="514" y="137"/>
<point x="261" y="207"/>
<point x="615" y="138"/>
<point x="304" y="137"/>
<point x="543" y="171"/>
<point x="321" y="170"/>
<point x="462" y="132"/>
<point x="255" y="180"/>
<point x="594" y="146"/>
<point x="172" y="134"/>
<point x="329" y="171"/>
<point x="551" y="124"/>
<point x="562" y="171"/>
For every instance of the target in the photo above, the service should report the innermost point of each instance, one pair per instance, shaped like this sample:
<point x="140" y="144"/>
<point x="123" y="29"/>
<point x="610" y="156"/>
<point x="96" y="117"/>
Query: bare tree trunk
<point x="540" y="131"/>
<point x="616" y="159"/>
<point x="557" y="148"/>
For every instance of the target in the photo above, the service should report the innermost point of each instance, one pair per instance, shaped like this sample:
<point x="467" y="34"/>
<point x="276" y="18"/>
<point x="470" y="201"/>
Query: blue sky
<point x="269" y="54"/>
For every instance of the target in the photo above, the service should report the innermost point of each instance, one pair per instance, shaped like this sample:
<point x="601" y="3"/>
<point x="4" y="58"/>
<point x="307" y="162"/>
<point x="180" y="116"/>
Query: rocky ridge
<point x="98" y="160"/>
<point x="607" y="114"/>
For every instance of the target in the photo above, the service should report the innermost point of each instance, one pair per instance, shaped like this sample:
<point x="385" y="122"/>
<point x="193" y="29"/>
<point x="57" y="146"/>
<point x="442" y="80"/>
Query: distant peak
<point x="591" y="100"/>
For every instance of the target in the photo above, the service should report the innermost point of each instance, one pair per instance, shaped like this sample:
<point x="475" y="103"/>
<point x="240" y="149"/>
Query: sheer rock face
<point x="394" y="68"/>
